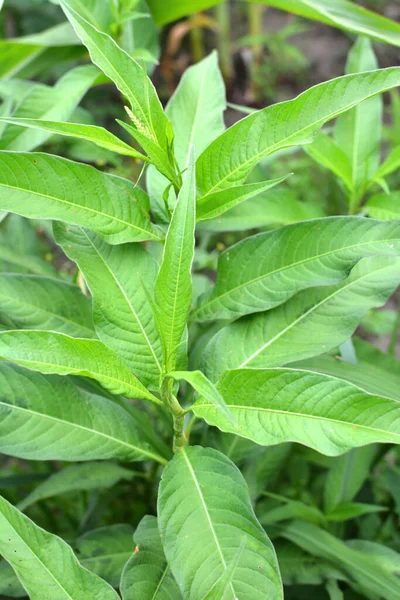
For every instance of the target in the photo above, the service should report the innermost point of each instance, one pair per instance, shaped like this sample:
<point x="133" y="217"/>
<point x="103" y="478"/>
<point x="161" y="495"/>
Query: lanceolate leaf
<point x="231" y="157"/>
<point x="49" y="352"/>
<point x="85" y="476"/>
<point x="311" y="323"/>
<point x="391" y="163"/>
<point x="115" y="276"/>
<point x="44" y="563"/>
<point x="272" y="406"/>
<point x="130" y="78"/>
<point x="325" y="151"/>
<point x="173" y="288"/>
<point x="267" y="269"/>
<point x="40" y="186"/>
<point x="91" y="133"/>
<point x="34" y="302"/>
<point x="48" y="418"/>
<point x="344" y="15"/>
<point x="147" y="575"/>
<point x="383" y="206"/>
<point x="202" y="538"/>
<point x="165" y="13"/>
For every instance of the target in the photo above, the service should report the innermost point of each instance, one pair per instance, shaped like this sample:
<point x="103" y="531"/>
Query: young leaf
<point x="326" y="152"/>
<point x="106" y="550"/>
<point x="91" y="133"/>
<point x="34" y="302"/>
<point x="147" y="575"/>
<point x="205" y="388"/>
<point x="115" y="276"/>
<point x="360" y="143"/>
<point x="50" y="352"/>
<point x="173" y="287"/>
<point x="344" y="15"/>
<point x="196" y="113"/>
<point x="309" y="324"/>
<point x="389" y="165"/>
<point x="202" y="538"/>
<point x="40" y="186"/>
<point x="48" y="418"/>
<point x="44" y="563"/>
<point x="272" y="406"/>
<point x="85" y="476"/>
<point x="383" y="206"/>
<point x="265" y="270"/>
<point x="360" y="568"/>
<point x="131" y="79"/>
<point x="231" y="157"/>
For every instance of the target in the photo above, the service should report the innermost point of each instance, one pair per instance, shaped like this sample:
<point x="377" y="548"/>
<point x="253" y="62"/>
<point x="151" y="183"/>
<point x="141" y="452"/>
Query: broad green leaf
<point x="147" y="575"/>
<point x="215" y="204"/>
<point x="272" y="406"/>
<point x="115" y="276"/>
<point x="359" y="568"/>
<point x="277" y="207"/>
<point x="34" y="302"/>
<point x="48" y="418"/>
<point x="369" y="376"/>
<point x="9" y="582"/>
<point x="173" y="287"/>
<point x="344" y="15"/>
<point x="383" y="206"/>
<point x="106" y="550"/>
<point x="85" y="476"/>
<point x="392" y="163"/>
<point x="196" y="113"/>
<point x="224" y="584"/>
<point x="347" y="475"/>
<point x="49" y="187"/>
<point x="44" y="563"/>
<point x="202" y="538"/>
<point x="352" y="510"/>
<point x="326" y="152"/>
<point x="309" y="324"/>
<point x="231" y="157"/>
<point x="130" y="78"/>
<point x="360" y="143"/>
<point x="175" y="9"/>
<point x="50" y="352"/>
<point x="265" y="270"/>
<point x="205" y="388"/>
<point x="91" y="133"/>
<point x="56" y="103"/>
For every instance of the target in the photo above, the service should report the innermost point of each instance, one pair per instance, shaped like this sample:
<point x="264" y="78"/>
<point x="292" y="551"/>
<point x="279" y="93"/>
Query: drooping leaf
<point x="115" y="276"/>
<point x="361" y="144"/>
<point x="272" y="406"/>
<point x="384" y="206"/>
<point x="44" y="563"/>
<point x="147" y="574"/>
<point x="173" y="287"/>
<point x="344" y="15"/>
<point x="311" y="323"/>
<point x="106" y="550"/>
<point x="85" y="476"/>
<point x="265" y="270"/>
<point x="34" y="302"/>
<point x="91" y="133"/>
<point x="230" y="158"/>
<point x="49" y="187"/>
<point x="54" y="103"/>
<point x="359" y="568"/>
<point x="196" y="113"/>
<point x="48" y="418"/>
<point x="202" y="538"/>
<point x="131" y="79"/>
<point x="57" y="353"/>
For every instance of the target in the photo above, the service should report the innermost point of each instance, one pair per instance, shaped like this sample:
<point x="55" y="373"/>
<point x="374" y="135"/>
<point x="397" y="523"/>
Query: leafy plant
<point x="137" y="358"/>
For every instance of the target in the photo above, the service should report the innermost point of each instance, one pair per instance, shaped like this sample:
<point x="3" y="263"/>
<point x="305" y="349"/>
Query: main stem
<point x="177" y="413"/>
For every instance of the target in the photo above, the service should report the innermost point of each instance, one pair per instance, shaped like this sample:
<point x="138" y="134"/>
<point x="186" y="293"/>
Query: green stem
<point x="197" y="43"/>
<point x="221" y="12"/>
<point x="177" y="412"/>
<point x="255" y="24"/>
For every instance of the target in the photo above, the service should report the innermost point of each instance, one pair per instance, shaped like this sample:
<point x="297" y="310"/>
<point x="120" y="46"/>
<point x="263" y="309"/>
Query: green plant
<point x="146" y="362"/>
